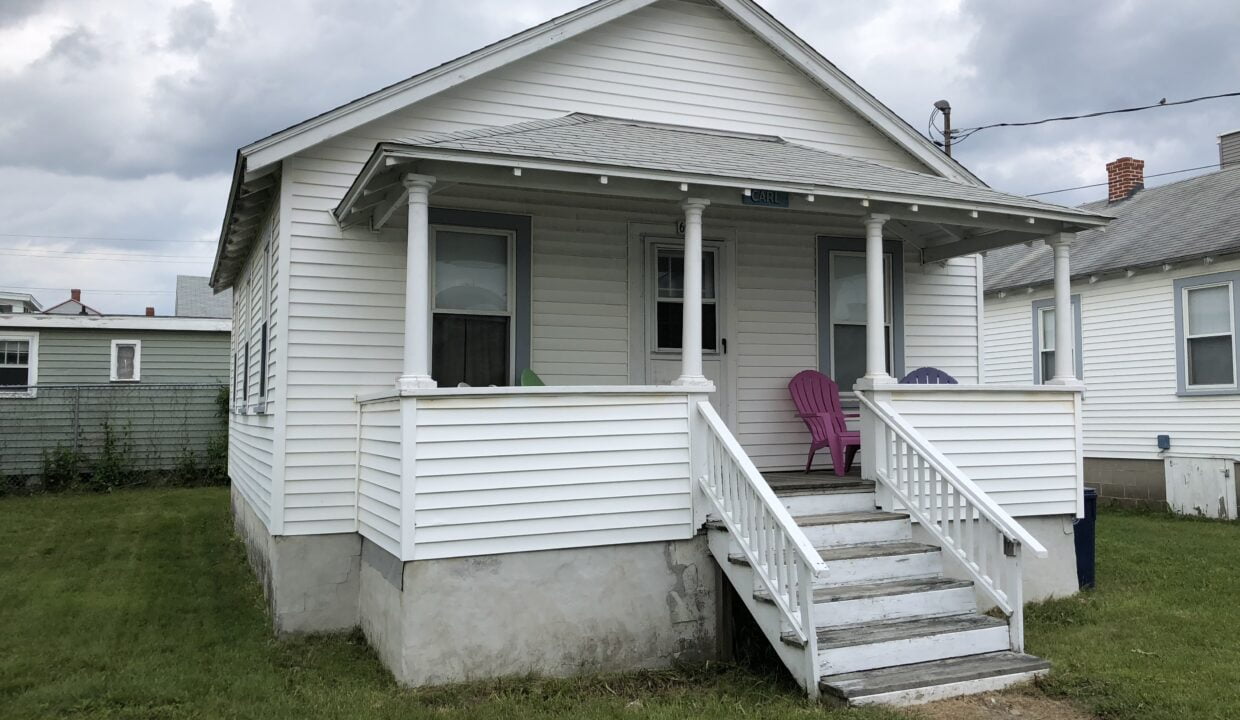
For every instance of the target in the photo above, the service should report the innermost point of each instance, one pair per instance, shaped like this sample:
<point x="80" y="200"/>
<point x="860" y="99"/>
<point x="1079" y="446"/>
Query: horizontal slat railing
<point x="778" y="551"/>
<point x="967" y="523"/>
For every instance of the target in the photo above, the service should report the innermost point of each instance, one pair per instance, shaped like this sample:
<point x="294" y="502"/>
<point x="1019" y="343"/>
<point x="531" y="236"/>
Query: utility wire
<point x="1102" y="184"/>
<point x="106" y="259"/>
<point x="961" y="134"/>
<point x="98" y="239"/>
<point x="38" y="251"/>
<point x="92" y="290"/>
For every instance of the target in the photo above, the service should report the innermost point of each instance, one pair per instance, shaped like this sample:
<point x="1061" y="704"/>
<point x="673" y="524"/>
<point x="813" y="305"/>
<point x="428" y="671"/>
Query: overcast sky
<point x="119" y="119"/>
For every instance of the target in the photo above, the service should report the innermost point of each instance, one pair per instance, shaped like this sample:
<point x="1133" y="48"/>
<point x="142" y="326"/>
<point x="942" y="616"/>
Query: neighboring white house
<point x="1155" y="299"/>
<point x="12" y="303"/>
<point x="585" y="199"/>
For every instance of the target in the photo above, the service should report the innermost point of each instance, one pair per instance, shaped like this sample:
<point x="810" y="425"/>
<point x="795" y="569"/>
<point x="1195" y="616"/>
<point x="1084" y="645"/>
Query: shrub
<point x="63" y="468"/>
<point x="115" y="466"/>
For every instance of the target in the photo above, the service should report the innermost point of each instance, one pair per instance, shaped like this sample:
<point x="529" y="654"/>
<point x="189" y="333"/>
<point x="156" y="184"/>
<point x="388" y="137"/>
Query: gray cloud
<point x="193" y="26"/>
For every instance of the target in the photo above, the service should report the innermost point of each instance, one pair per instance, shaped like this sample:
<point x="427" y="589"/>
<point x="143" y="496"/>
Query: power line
<point x="98" y="239"/>
<point x="1103" y="184"/>
<point x="92" y="290"/>
<point x="99" y="253"/>
<point x="106" y="259"/>
<point x="962" y="134"/>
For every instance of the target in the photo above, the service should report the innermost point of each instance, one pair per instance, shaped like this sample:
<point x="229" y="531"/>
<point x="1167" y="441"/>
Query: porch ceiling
<point x="586" y="154"/>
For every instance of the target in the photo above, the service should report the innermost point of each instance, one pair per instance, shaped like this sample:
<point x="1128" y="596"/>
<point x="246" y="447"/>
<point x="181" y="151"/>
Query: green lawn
<point x="139" y="605"/>
<point x="1159" y="638"/>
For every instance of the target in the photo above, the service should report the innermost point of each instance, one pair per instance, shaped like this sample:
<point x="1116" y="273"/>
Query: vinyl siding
<point x="522" y="473"/>
<point x="941" y="316"/>
<point x="1020" y="448"/>
<point x="1129" y="362"/>
<point x="82" y="357"/>
<point x="251" y="426"/>
<point x="378" y="475"/>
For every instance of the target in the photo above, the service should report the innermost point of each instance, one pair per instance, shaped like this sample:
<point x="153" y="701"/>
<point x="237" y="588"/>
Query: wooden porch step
<point x="935" y="680"/>
<point x="861" y="516"/>
<point x="876" y="550"/>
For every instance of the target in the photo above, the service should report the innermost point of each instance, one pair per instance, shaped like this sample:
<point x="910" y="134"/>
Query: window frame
<point x="32" y="365"/>
<point x="1078" y="365"/>
<point x="893" y="253"/>
<point x="137" y="361"/>
<point x="1182" y="287"/>
<point x="715" y="249"/>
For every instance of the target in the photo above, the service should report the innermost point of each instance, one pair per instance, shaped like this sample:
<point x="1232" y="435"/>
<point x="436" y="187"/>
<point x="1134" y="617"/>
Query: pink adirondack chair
<point x="817" y="399"/>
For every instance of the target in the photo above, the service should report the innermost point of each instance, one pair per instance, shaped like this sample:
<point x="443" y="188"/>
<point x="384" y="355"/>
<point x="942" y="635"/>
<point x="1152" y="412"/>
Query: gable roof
<point x="689" y="152"/>
<point x="71" y="307"/>
<point x="195" y="298"/>
<point x="273" y="148"/>
<point x="1176" y="222"/>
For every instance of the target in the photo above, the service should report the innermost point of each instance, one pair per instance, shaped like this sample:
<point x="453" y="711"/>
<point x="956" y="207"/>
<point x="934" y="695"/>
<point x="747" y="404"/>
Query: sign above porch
<point x="765" y="198"/>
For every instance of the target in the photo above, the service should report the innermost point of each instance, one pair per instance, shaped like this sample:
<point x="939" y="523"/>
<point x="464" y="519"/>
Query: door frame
<point x="641" y="287"/>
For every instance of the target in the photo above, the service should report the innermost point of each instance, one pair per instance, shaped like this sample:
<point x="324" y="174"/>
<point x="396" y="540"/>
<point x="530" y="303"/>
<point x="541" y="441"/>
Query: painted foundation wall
<point x="557" y="613"/>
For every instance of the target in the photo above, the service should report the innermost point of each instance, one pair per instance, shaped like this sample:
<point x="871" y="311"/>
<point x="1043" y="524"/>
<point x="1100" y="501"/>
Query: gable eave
<point x="309" y="133"/>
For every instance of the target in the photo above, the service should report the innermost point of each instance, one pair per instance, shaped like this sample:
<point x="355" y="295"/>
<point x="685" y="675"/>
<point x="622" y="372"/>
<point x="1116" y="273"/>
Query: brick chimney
<point x="150" y="312"/>
<point x="1125" y="177"/>
<point x="76" y="295"/>
<point x="1229" y="149"/>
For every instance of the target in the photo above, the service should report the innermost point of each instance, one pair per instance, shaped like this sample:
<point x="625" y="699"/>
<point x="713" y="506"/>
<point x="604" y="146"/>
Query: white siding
<point x="250" y="435"/>
<point x="1129" y="363"/>
<point x="1019" y="447"/>
<point x="518" y="473"/>
<point x="941" y="316"/>
<point x="378" y="475"/>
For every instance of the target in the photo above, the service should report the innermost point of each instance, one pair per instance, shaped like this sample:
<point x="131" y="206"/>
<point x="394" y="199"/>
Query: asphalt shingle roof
<point x="631" y="144"/>
<point x="195" y="298"/>
<point x="1182" y="220"/>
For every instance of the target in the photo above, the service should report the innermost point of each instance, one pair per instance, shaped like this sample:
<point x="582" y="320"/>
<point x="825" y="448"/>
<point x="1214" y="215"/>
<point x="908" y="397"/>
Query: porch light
<point x="1031" y="221"/>
<point x="684" y="187"/>
<point x="913" y="207"/>
<point x="809" y="198"/>
<point x="516" y="172"/>
<point x="973" y="214"/>
<point x="1166" y="267"/>
<point x="748" y="192"/>
<point x="865" y="203"/>
<point x="602" y="179"/>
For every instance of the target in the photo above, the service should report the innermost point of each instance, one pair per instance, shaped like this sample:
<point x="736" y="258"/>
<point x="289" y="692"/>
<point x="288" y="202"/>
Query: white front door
<point x="664" y="307"/>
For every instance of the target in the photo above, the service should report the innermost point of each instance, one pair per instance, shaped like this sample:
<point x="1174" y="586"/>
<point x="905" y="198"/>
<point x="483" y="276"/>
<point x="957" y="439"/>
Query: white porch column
<point x="1065" y="338"/>
<point x="875" y="299"/>
<point x="416" y="371"/>
<point x="691" y="329"/>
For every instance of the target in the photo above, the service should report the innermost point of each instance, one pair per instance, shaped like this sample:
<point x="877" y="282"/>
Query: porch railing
<point x="778" y="551"/>
<point x="965" y="521"/>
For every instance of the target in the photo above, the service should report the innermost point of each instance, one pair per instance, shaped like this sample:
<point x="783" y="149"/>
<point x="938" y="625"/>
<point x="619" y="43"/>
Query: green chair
<point x="529" y="378"/>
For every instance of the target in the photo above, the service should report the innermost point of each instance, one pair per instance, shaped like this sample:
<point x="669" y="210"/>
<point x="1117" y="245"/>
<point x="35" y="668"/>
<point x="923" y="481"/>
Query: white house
<point x="580" y="199"/>
<point x="1155" y="297"/>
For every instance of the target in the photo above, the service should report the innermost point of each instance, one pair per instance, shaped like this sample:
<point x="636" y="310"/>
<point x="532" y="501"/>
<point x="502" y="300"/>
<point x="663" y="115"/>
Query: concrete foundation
<point x="311" y="581"/>
<point x="1128" y="483"/>
<point x="554" y="612"/>
<point x="1054" y="576"/>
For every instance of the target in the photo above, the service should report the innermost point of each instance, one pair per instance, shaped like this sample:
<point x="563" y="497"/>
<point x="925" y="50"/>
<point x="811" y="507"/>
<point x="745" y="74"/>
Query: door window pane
<point x="1210" y="361"/>
<point x="848" y="344"/>
<point x="1048" y="330"/>
<point x="1209" y="310"/>
<point x="669" y="313"/>
<point x="671" y="275"/>
<point x="471" y="271"/>
<point x="124" y="362"/>
<point x="1048" y="366"/>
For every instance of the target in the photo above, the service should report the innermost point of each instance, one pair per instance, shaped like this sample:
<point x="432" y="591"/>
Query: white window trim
<point x="32" y="364"/>
<point x="137" y="361"/>
<point x="714" y="248"/>
<point x="510" y="313"/>
<point x="1186" y="336"/>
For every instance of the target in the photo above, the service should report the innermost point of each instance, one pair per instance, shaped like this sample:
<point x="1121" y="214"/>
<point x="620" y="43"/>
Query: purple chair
<point x="928" y="376"/>
<point x="817" y="399"/>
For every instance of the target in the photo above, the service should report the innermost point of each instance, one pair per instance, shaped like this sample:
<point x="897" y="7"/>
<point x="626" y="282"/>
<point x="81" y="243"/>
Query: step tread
<point x="819" y="487"/>
<point x="875" y="550"/>
<point x="905" y="586"/>
<point x="850" y="686"/>
<point x="859" y="516"/>
<point x="873" y="633"/>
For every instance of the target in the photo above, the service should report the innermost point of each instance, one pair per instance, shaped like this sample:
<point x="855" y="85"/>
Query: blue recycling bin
<point x="1084" y="534"/>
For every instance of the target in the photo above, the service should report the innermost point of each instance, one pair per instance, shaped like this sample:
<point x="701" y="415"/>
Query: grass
<point x="138" y="604"/>
<point x="1159" y="638"/>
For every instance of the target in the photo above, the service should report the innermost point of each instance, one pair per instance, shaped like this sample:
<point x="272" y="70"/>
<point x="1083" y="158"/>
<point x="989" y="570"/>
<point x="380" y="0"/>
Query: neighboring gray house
<point x="196" y="299"/>
<point x="1156" y="297"/>
<point x="62" y="376"/>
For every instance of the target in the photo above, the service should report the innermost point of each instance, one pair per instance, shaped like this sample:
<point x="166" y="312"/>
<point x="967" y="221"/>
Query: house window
<point x="6" y="309"/>
<point x="18" y="365"/>
<point x="842" y="309"/>
<point x="1044" y="340"/>
<point x="473" y="304"/>
<point x="126" y="361"/>
<point x="670" y="299"/>
<point x="1207" y="356"/>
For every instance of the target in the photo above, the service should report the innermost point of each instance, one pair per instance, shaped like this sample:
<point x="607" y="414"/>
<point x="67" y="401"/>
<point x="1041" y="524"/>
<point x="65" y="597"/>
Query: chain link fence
<point x="59" y="436"/>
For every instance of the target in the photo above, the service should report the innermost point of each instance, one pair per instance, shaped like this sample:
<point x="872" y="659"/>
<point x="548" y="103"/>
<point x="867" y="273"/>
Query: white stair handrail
<point x="776" y="548"/>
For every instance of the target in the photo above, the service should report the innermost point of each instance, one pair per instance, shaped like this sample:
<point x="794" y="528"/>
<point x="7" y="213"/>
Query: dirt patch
<point x="1027" y="704"/>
